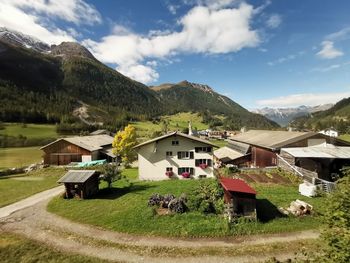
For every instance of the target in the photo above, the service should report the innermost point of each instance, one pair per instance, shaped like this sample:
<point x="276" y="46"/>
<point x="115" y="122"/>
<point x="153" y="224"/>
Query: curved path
<point x="30" y="218"/>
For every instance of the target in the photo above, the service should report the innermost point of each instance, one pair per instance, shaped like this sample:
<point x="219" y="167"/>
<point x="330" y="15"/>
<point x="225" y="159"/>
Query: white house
<point x="175" y="155"/>
<point x="330" y="132"/>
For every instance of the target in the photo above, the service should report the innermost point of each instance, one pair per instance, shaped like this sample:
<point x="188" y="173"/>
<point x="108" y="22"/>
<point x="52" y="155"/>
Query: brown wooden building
<point x="80" y="183"/>
<point x="265" y="145"/>
<point x="78" y="149"/>
<point x="240" y="197"/>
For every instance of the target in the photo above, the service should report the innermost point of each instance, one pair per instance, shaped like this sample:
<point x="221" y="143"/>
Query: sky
<point x="260" y="53"/>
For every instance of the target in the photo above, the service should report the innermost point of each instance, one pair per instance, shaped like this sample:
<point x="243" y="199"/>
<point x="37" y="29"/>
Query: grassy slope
<point x="31" y="131"/>
<point x="15" y="188"/>
<point x="15" y="248"/>
<point x="125" y="210"/>
<point x="176" y="121"/>
<point x="345" y="137"/>
<point x="19" y="157"/>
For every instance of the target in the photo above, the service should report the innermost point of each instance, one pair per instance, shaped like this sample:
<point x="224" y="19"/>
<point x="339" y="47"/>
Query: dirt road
<point x="30" y="218"/>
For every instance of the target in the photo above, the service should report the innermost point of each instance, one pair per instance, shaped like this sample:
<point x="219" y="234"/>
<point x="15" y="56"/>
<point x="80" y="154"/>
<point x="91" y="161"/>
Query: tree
<point x="123" y="144"/>
<point x="110" y="173"/>
<point x="337" y="219"/>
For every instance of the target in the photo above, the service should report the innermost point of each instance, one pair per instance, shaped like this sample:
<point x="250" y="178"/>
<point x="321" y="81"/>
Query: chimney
<point x="190" y="132"/>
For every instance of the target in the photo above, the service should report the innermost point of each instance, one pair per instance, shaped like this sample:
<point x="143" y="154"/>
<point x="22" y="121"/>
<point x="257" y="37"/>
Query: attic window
<point x="175" y="143"/>
<point x="203" y="149"/>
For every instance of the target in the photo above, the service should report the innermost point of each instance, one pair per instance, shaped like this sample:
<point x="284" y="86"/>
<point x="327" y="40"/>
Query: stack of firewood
<point x="297" y="208"/>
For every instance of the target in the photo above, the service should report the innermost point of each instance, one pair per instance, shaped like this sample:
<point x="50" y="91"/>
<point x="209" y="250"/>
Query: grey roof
<point x="76" y="176"/>
<point x="329" y="152"/>
<point x="176" y="133"/>
<point x="90" y="143"/>
<point x="271" y="139"/>
<point x="239" y="146"/>
<point x="226" y="153"/>
<point x="108" y="151"/>
<point x="99" y="132"/>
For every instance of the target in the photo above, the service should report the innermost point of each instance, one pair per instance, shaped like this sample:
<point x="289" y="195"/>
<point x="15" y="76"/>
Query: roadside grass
<point x="345" y="137"/>
<point x="19" y="157"/>
<point x="15" y="248"/>
<point x="31" y="131"/>
<point x="124" y="209"/>
<point x="16" y="187"/>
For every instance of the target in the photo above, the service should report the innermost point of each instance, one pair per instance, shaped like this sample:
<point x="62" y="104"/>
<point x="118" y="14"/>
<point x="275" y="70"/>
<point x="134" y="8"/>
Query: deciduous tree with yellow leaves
<point x="123" y="144"/>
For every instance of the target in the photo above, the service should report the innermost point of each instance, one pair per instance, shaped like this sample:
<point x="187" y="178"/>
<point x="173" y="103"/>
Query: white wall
<point x="153" y="160"/>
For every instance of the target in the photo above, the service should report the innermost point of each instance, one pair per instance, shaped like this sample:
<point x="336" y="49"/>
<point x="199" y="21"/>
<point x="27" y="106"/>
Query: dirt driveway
<point x="30" y="218"/>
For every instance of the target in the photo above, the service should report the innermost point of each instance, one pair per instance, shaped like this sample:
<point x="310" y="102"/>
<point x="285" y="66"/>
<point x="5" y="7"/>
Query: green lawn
<point x="345" y="137"/>
<point x="219" y="143"/>
<point x="19" y="157"/>
<point x="31" y="131"/>
<point x="16" y="187"/>
<point x="125" y="210"/>
<point x="18" y="249"/>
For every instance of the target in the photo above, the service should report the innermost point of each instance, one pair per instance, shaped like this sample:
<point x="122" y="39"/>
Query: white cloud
<point x="204" y="30"/>
<point x="139" y="72"/>
<point x="310" y="99"/>
<point x="286" y="58"/>
<point x="342" y="34"/>
<point x="172" y="8"/>
<point x="330" y="68"/>
<point x="34" y="17"/>
<point x="274" y="21"/>
<point x="328" y="50"/>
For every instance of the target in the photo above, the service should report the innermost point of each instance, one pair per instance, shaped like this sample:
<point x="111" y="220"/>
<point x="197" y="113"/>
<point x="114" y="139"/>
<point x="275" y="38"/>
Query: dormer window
<point x="175" y="143"/>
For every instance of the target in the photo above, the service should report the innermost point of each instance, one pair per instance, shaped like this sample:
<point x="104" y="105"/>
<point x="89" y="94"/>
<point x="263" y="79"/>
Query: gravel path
<point x="30" y="218"/>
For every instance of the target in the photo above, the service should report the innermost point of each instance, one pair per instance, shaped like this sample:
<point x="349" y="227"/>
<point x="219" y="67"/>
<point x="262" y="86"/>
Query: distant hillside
<point x="192" y="97"/>
<point x="337" y="116"/>
<point x="47" y="87"/>
<point x="284" y="115"/>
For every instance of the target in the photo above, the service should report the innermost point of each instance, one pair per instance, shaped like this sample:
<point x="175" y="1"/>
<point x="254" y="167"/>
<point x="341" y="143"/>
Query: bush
<point x="177" y="205"/>
<point x="155" y="200"/>
<point x="207" y="198"/>
<point x="167" y="199"/>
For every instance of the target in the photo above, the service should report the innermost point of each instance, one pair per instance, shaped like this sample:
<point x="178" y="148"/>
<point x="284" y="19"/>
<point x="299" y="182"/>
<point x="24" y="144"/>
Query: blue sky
<point x="259" y="53"/>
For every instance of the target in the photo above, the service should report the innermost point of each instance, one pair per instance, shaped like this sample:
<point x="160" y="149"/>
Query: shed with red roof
<point x="239" y="197"/>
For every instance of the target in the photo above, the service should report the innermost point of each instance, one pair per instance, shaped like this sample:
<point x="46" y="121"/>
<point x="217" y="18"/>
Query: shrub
<point x="167" y="199"/>
<point x="177" y="206"/>
<point x="155" y="200"/>
<point x="207" y="197"/>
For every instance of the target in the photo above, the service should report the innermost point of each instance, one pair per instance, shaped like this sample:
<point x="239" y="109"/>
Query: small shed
<point x="80" y="183"/>
<point x="239" y="197"/>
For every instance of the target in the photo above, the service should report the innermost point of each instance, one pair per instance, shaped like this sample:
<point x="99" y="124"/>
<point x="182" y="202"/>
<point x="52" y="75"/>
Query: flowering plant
<point x="203" y="165"/>
<point x="169" y="173"/>
<point x="185" y="175"/>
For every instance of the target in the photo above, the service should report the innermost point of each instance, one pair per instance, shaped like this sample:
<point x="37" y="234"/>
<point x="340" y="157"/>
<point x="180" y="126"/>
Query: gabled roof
<point x="176" y="133"/>
<point x="99" y="132"/>
<point x="225" y="153"/>
<point x="271" y="139"/>
<point x="236" y="185"/>
<point x="77" y="176"/>
<point x="90" y="143"/>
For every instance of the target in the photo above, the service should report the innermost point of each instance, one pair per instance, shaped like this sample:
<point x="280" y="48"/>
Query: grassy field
<point x="19" y="157"/>
<point x="33" y="131"/>
<point x="219" y="143"/>
<point x="125" y="210"/>
<point x="345" y="137"/>
<point x="16" y="187"/>
<point x="16" y="249"/>
<point x="176" y="122"/>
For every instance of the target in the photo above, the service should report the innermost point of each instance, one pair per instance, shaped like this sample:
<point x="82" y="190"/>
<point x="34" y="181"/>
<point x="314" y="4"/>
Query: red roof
<point x="236" y="185"/>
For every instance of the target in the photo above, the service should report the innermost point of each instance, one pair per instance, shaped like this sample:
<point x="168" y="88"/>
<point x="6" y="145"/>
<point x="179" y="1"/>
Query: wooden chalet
<point x="239" y="197"/>
<point x="80" y="183"/>
<point x="78" y="149"/>
<point x="265" y="146"/>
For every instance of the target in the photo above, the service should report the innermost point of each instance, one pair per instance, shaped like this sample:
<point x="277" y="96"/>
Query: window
<point x="169" y="169"/>
<point x="175" y="143"/>
<point x="185" y="155"/>
<point x="185" y="169"/>
<point x="202" y="149"/>
<point x="169" y="154"/>
<point x="203" y="161"/>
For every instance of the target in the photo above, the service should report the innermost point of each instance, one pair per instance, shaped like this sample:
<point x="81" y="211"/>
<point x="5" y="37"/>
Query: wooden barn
<point x="239" y="198"/>
<point x="80" y="183"/>
<point x="78" y="149"/>
<point x="266" y="145"/>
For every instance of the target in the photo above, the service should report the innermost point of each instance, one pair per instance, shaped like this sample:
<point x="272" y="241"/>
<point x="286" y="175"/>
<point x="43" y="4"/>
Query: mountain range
<point x="283" y="116"/>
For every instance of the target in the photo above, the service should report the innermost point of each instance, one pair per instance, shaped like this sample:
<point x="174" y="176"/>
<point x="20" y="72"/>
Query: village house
<point x="175" y="155"/>
<point x="265" y="146"/>
<point x="78" y="149"/>
<point x="331" y="132"/>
